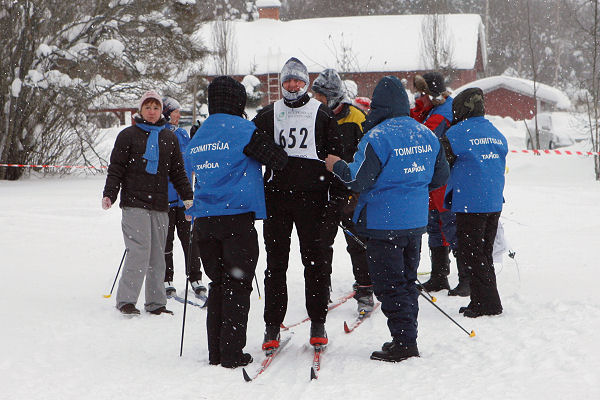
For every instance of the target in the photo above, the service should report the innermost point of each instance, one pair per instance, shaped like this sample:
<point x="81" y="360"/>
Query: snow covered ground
<point x="61" y="339"/>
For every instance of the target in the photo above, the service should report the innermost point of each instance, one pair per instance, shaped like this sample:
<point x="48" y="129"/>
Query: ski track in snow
<point x="62" y="340"/>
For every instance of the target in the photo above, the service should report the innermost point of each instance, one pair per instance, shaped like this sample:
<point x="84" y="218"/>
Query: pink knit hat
<point x="150" y="94"/>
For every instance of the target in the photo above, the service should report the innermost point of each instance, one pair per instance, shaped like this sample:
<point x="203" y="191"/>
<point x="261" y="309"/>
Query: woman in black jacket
<point x="145" y="157"/>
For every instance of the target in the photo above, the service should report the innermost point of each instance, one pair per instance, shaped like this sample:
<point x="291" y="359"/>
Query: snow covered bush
<point x="255" y="95"/>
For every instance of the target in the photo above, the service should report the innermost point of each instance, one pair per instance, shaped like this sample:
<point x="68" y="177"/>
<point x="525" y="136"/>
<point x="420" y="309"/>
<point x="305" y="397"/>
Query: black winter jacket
<point x="127" y="170"/>
<point x="302" y="174"/>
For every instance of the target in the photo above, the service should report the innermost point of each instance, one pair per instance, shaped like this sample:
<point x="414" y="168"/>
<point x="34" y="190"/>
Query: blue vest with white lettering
<point x="184" y="138"/>
<point x="227" y="181"/>
<point x="399" y="199"/>
<point x="477" y="178"/>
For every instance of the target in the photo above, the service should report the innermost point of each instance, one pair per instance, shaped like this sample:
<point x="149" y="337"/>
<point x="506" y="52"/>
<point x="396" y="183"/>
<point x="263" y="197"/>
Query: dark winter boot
<point x="440" y="268"/>
<point x="364" y="298"/>
<point x="479" y="310"/>
<point x="271" y="340"/>
<point x="161" y="310"/>
<point x="463" y="289"/>
<point x="464" y="282"/>
<point x="395" y="352"/>
<point x="318" y="336"/>
<point x="129" y="309"/>
<point x="241" y="361"/>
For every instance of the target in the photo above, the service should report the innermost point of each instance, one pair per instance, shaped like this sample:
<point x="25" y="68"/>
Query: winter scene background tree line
<point x="63" y="60"/>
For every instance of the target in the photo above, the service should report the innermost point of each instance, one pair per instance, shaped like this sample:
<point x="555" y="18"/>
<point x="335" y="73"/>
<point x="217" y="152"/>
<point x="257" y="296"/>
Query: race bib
<point x="295" y="129"/>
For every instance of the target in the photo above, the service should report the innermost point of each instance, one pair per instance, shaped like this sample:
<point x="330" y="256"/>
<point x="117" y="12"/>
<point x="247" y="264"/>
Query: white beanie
<point x="150" y="94"/>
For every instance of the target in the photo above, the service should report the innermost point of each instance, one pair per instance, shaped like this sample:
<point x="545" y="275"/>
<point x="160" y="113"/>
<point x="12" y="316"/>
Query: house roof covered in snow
<point x="523" y="86"/>
<point x="350" y="44"/>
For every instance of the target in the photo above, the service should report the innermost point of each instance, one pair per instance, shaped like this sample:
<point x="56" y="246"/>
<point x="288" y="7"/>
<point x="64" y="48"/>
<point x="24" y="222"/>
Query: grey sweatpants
<point x="145" y="234"/>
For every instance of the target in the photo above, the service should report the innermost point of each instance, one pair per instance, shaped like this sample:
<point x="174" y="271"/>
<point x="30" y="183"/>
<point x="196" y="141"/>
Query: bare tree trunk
<point x="534" y="70"/>
<point x="437" y="52"/>
<point x="596" y="88"/>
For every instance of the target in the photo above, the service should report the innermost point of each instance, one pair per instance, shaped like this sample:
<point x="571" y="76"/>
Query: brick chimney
<point x="268" y="9"/>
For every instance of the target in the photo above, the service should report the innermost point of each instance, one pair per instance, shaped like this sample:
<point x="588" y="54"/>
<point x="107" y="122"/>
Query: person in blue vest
<point x="225" y="155"/>
<point x="172" y="113"/>
<point x="477" y="152"/>
<point x="434" y="109"/>
<point x="397" y="164"/>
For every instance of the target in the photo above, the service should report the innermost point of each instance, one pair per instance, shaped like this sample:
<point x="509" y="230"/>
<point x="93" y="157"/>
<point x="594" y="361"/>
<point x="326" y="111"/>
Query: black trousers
<point x="305" y="210"/>
<point x="475" y="235"/>
<point x="340" y="210"/>
<point x="229" y="248"/>
<point x="177" y="220"/>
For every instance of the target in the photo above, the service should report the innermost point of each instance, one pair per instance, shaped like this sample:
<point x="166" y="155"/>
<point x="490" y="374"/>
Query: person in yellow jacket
<point x="329" y="89"/>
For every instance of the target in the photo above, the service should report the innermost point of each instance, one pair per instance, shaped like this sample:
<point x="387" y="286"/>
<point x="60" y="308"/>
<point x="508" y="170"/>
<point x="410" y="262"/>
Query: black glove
<point x="194" y="128"/>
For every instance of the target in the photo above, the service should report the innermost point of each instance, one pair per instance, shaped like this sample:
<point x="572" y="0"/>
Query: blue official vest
<point x="184" y="139"/>
<point x="477" y="178"/>
<point x="400" y="197"/>
<point x="227" y="181"/>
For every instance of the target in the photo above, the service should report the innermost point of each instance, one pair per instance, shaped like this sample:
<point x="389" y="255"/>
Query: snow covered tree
<point x="63" y="58"/>
<point x="223" y="37"/>
<point x="586" y="14"/>
<point x="228" y="10"/>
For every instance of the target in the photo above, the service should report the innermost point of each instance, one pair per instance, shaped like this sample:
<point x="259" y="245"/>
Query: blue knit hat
<point x="169" y="105"/>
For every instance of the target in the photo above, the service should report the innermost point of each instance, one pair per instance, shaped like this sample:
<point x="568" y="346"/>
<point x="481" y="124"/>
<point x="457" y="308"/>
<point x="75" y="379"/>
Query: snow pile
<point x="519" y="85"/>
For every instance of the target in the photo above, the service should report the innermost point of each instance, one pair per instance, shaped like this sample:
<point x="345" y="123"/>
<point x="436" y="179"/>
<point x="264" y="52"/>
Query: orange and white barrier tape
<point x="558" y="152"/>
<point x="51" y="166"/>
<point x="536" y="152"/>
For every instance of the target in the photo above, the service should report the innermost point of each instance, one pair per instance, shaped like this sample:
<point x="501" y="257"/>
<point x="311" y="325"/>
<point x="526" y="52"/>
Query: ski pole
<point x="257" y="287"/>
<point x="422" y="289"/>
<point x="364" y="246"/>
<point x="116" y="276"/>
<point x="353" y="236"/>
<point x="472" y="334"/>
<point x="187" y="282"/>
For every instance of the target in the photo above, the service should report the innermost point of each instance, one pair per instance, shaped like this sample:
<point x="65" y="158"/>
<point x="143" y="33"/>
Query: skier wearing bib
<point x="297" y="195"/>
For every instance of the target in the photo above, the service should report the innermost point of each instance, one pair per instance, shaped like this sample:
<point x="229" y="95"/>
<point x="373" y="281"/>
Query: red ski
<point x="316" y="365"/>
<point x="267" y="360"/>
<point x="332" y="306"/>
<point x="359" y="320"/>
